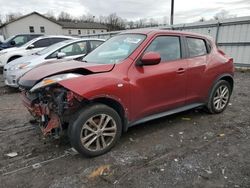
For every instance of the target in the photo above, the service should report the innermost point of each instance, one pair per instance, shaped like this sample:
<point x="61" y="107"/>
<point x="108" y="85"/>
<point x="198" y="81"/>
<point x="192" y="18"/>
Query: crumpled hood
<point x="45" y="70"/>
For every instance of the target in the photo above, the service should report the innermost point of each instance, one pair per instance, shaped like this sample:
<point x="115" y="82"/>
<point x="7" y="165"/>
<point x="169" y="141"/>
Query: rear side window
<point x="41" y="43"/>
<point x="167" y="46"/>
<point x="196" y="47"/>
<point x="56" y="40"/>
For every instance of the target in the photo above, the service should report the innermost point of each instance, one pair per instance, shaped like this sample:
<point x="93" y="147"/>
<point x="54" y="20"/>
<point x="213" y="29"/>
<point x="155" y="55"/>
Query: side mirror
<point x="60" y="55"/>
<point x="150" y="58"/>
<point x="31" y="46"/>
<point x="12" y="43"/>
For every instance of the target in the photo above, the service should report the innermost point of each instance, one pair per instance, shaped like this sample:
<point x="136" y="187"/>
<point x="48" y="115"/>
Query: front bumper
<point x="11" y="77"/>
<point x="49" y="121"/>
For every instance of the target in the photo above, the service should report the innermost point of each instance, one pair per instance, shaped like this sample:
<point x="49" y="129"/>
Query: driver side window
<point x="167" y="46"/>
<point x="72" y="49"/>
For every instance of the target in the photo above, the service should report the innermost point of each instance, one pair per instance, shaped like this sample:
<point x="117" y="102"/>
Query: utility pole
<point x="172" y="13"/>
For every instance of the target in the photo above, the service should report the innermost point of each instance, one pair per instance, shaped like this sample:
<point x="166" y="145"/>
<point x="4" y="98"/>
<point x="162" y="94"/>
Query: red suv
<point x="132" y="78"/>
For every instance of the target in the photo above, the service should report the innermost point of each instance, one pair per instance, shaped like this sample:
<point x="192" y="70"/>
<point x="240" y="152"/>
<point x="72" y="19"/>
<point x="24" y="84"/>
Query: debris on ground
<point x="221" y="135"/>
<point x="131" y="139"/>
<point x="186" y="118"/>
<point x="209" y="171"/>
<point x="12" y="154"/>
<point x="36" y="165"/>
<point x="103" y="170"/>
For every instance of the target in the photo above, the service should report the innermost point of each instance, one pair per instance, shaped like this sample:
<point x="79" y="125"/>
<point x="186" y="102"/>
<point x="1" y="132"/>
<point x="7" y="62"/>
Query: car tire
<point x="219" y="97"/>
<point x="96" y="130"/>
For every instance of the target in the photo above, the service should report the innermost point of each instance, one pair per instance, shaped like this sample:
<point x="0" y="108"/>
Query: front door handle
<point x="180" y="71"/>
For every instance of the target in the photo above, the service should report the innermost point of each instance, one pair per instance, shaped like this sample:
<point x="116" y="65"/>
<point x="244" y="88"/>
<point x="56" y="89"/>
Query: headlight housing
<point x="19" y="66"/>
<point x="53" y="80"/>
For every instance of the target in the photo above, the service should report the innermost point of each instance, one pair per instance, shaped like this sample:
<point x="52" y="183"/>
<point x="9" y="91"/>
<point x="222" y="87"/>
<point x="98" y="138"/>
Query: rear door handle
<point x="180" y="71"/>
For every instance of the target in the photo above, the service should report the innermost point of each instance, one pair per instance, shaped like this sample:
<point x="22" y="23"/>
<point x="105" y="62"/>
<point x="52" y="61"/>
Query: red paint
<point x="143" y="90"/>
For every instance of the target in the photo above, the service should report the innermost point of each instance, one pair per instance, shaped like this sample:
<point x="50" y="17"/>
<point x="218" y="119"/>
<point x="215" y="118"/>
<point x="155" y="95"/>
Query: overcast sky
<point x="185" y="10"/>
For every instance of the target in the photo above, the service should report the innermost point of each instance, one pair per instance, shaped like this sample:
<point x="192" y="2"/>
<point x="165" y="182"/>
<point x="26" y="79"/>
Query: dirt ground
<point x="190" y="149"/>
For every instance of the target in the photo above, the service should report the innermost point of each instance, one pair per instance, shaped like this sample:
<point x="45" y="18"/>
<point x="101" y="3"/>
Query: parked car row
<point x="68" y="49"/>
<point x="134" y="77"/>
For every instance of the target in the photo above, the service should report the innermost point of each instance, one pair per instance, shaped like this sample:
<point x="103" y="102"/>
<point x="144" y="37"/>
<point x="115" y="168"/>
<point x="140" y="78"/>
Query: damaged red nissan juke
<point x="132" y="78"/>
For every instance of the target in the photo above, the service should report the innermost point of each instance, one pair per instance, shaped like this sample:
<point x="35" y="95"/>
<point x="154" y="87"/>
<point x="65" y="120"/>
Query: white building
<point x="37" y="23"/>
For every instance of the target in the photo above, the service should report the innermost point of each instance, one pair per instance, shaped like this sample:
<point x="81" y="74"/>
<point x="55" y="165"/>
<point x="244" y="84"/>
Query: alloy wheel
<point x="98" y="132"/>
<point x="221" y="97"/>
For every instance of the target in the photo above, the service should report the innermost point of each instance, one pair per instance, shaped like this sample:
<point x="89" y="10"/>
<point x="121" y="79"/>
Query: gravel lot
<point x="190" y="149"/>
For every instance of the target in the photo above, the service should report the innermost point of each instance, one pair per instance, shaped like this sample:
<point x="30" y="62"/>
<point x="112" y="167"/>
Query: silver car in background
<point x="67" y="50"/>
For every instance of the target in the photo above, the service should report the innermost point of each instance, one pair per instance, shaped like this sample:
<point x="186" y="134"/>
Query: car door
<point x="196" y="72"/>
<point x="159" y="87"/>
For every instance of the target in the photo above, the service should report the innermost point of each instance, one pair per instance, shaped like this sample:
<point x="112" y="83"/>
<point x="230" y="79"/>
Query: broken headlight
<point x="53" y="80"/>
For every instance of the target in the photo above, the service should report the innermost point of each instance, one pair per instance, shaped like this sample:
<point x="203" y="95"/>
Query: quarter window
<point x="32" y="30"/>
<point x="94" y="44"/>
<point x="196" y="47"/>
<point x="167" y="46"/>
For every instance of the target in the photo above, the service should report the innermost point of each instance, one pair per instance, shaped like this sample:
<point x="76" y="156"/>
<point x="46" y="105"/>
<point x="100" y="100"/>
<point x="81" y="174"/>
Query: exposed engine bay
<point x="52" y="107"/>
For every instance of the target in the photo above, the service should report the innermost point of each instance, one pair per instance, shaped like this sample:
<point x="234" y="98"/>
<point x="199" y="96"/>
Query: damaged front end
<point x="52" y="105"/>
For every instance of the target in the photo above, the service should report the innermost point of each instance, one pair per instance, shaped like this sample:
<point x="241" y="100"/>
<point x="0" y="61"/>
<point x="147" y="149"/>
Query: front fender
<point x="100" y="85"/>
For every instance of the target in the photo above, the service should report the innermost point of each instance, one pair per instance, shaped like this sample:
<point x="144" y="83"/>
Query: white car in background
<point x="33" y="46"/>
<point x="67" y="50"/>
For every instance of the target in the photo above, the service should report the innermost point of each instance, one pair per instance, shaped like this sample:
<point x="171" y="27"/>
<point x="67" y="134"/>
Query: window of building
<point x="167" y="46"/>
<point x="93" y="31"/>
<point x="102" y="31"/>
<point x="42" y="29"/>
<point x="69" y="32"/>
<point x="87" y="31"/>
<point x="196" y="47"/>
<point x="79" y="32"/>
<point x="32" y="30"/>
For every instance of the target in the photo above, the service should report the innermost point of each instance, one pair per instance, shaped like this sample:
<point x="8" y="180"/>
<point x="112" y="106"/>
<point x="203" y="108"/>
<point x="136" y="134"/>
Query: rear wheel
<point x="219" y="97"/>
<point x="96" y="130"/>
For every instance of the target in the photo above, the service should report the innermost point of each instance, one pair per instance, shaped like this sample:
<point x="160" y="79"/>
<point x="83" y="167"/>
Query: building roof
<point x="24" y="16"/>
<point x="81" y="25"/>
<point x="64" y="24"/>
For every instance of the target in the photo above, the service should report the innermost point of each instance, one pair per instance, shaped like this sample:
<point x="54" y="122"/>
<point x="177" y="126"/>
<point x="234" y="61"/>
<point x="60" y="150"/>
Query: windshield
<point x="8" y="39"/>
<point x="115" y="49"/>
<point x="53" y="47"/>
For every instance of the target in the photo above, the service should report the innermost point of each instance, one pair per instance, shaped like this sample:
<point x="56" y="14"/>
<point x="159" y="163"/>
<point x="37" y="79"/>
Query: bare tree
<point x="202" y="19"/>
<point x="1" y="20"/>
<point x="223" y="14"/>
<point x="50" y="14"/>
<point x="64" y="16"/>
<point x="12" y="16"/>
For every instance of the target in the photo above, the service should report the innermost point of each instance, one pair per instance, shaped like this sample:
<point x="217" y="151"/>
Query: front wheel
<point x="96" y="130"/>
<point x="219" y="97"/>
